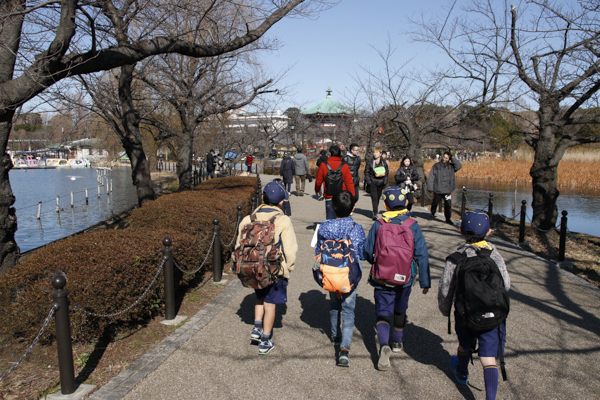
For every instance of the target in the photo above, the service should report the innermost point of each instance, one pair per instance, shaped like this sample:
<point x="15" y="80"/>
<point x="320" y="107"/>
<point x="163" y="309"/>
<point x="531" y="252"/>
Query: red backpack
<point x="394" y="250"/>
<point x="257" y="260"/>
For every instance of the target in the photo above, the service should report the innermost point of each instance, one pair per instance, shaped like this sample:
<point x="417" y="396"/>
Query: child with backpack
<point x="264" y="256"/>
<point x="476" y="280"/>
<point x="337" y="269"/>
<point x="287" y="209"/>
<point x="396" y="247"/>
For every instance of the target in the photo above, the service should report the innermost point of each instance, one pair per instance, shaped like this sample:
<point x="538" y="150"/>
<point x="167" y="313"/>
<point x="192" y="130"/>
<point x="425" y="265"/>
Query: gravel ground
<point x="553" y="347"/>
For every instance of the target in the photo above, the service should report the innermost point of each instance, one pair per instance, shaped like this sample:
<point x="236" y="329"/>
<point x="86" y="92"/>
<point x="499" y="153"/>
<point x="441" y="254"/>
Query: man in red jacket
<point x="334" y="162"/>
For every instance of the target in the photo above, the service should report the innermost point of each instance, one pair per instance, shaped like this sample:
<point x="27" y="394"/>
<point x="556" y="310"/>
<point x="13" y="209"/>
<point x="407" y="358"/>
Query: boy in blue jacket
<point x="391" y="301"/>
<point x="336" y="229"/>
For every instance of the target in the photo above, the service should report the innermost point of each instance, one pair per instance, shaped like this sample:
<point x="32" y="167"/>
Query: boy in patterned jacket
<point x="341" y="310"/>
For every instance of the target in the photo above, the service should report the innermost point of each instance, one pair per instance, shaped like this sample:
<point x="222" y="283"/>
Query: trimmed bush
<point x="109" y="270"/>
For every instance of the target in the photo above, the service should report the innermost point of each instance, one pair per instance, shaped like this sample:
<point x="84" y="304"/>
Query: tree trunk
<point x="184" y="160"/>
<point x="416" y="156"/>
<point x="9" y="251"/>
<point x="132" y="139"/>
<point x="544" y="174"/>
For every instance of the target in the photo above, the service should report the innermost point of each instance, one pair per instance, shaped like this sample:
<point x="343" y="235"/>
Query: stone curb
<point x="120" y="385"/>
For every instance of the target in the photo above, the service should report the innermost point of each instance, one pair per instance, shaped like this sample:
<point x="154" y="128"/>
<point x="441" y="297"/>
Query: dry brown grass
<point x="580" y="154"/>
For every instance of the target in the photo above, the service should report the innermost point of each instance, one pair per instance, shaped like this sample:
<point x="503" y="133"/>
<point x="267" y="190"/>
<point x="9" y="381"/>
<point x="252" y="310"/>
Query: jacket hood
<point x="336" y="228"/>
<point x="298" y="156"/>
<point x="287" y="157"/>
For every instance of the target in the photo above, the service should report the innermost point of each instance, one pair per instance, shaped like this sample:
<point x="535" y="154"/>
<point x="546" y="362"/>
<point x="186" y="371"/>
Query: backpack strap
<point x="328" y="166"/>
<point x="455" y="257"/>
<point x="501" y="353"/>
<point x="252" y="217"/>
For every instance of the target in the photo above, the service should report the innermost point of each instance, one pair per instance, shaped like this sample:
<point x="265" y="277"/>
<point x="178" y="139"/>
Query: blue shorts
<point x="275" y="293"/>
<point x="392" y="300"/>
<point x="488" y="340"/>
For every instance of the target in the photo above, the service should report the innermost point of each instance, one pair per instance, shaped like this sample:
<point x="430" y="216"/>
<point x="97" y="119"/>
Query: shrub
<point x="108" y="270"/>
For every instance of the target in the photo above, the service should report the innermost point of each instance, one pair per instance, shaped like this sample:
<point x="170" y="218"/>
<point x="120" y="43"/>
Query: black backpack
<point x="334" y="180"/>
<point x="482" y="302"/>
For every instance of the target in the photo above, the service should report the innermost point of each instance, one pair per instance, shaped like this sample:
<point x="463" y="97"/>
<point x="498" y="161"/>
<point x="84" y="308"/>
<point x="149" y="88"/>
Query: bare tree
<point x="42" y="43"/>
<point x="197" y="89"/>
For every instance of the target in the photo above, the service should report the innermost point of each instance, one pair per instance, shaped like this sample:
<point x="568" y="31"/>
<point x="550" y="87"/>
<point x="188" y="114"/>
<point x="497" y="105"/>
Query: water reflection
<point x="32" y="186"/>
<point x="583" y="207"/>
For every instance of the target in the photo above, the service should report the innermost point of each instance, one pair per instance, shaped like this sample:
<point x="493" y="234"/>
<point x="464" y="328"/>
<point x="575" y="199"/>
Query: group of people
<point x="394" y="241"/>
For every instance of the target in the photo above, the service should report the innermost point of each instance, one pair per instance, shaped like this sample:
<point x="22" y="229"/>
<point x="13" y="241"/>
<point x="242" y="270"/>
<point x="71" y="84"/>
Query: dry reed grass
<point x="580" y="154"/>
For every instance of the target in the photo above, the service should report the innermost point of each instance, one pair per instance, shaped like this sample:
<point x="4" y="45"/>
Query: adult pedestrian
<point x="352" y="158"/>
<point x="301" y="169"/>
<point x="376" y="176"/>
<point x="286" y="170"/>
<point x="441" y="182"/>
<point x="408" y="176"/>
<point x="249" y="160"/>
<point x="322" y="158"/>
<point x="340" y="178"/>
<point x="210" y="164"/>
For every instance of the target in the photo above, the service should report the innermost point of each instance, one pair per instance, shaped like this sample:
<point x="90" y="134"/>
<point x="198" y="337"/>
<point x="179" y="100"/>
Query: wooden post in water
<point x="71" y="199"/>
<point x="39" y="214"/>
<point x="98" y="191"/>
<point x="86" y="196"/>
<point x="57" y="204"/>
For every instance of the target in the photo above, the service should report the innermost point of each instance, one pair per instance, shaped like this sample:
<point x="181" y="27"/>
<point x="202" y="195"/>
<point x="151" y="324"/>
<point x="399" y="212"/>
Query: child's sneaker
<point x="256" y="334"/>
<point x="396" y="347"/>
<point x="336" y="341"/>
<point x="463" y="379"/>
<point x="384" y="358"/>
<point x="266" y="346"/>
<point x="343" y="359"/>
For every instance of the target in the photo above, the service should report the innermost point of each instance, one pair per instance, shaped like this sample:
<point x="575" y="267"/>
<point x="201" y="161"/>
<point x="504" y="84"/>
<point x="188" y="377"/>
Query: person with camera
<point x="408" y="176"/>
<point x="441" y="182"/>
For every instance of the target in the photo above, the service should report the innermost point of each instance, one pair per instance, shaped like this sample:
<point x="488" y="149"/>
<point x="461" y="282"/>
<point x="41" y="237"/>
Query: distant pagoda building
<point x="327" y="122"/>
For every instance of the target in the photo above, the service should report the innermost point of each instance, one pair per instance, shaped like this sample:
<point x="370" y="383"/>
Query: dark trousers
<point x="356" y="187"/>
<point x="375" y="197"/>
<point x="411" y="200"/>
<point x="437" y="198"/>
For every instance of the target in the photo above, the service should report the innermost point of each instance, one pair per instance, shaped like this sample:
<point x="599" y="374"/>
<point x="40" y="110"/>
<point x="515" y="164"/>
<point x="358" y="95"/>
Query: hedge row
<point x="108" y="270"/>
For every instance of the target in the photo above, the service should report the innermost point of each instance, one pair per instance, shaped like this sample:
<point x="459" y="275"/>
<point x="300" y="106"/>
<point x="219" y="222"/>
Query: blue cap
<point x="287" y="195"/>
<point x="394" y="196"/>
<point x="475" y="222"/>
<point x="275" y="192"/>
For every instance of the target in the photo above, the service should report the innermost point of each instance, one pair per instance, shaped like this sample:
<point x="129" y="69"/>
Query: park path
<point x="553" y="346"/>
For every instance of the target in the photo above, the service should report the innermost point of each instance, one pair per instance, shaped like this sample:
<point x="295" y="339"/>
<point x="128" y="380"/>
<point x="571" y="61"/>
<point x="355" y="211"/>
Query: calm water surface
<point x="30" y="186"/>
<point x="583" y="207"/>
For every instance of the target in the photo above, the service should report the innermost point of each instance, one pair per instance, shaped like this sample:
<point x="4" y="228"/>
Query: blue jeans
<point x="329" y="213"/>
<point x="211" y="174"/>
<point x="345" y="318"/>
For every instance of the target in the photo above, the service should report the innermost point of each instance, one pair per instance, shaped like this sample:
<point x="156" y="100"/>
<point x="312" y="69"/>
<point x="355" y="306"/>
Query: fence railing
<point x="60" y="305"/>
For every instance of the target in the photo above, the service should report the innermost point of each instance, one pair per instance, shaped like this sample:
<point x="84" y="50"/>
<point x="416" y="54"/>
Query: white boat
<point x="79" y="163"/>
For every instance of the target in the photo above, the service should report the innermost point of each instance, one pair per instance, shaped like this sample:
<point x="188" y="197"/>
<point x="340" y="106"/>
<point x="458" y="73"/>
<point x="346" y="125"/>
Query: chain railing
<point x="37" y="338"/>
<point x="135" y="303"/>
<point x="237" y="224"/>
<point x="212" y="242"/>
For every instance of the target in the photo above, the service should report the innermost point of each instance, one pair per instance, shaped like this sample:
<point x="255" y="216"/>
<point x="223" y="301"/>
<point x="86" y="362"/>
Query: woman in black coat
<point x="287" y="172"/>
<point x="407" y="175"/>
<point x="376" y="176"/>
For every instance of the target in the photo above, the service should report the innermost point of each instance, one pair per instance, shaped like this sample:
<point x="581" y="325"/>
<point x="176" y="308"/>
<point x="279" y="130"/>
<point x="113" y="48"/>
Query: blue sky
<point x="328" y="51"/>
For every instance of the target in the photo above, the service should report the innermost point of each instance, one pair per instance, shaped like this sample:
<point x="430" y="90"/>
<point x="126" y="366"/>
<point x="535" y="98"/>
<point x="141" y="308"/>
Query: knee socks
<point x="258" y="323"/>
<point x="463" y="362"/>
<point x="397" y="334"/>
<point x="383" y="332"/>
<point x="490" y="376"/>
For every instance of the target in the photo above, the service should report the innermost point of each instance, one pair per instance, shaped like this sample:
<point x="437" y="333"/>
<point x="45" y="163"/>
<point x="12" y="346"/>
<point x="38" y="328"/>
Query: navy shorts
<point x="275" y="293"/>
<point x="488" y="340"/>
<point x="392" y="300"/>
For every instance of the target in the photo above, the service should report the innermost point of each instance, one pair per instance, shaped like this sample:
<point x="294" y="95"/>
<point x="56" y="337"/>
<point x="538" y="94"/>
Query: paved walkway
<point x="553" y="346"/>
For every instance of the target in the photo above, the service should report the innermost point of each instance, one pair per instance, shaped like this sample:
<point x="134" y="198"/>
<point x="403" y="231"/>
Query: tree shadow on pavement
<point x="426" y="347"/>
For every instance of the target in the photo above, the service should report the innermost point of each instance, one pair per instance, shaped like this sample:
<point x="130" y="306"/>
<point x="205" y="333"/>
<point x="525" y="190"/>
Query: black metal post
<point x="563" y="236"/>
<point x="491" y="206"/>
<point x="217" y="267"/>
<point x="169" y="280"/>
<point x="423" y="195"/>
<point x="252" y="207"/>
<point x="258" y="198"/>
<point x="239" y="213"/>
<point x="522" y="222"/>
<point x="63" y="335"/>
<point x="463" y="205"/>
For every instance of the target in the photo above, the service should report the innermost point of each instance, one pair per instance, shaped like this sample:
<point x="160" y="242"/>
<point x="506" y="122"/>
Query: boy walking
<point x="476" y="253"/>
<point x="341" y="305"/>
<point x="396" y="248"/>
<point x="284" y="238"/>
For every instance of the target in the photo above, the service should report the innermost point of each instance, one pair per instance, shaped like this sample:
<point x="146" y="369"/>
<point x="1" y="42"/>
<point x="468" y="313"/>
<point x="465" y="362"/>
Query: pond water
<point x="583" y="207"/>
<point x="31" y="186"/>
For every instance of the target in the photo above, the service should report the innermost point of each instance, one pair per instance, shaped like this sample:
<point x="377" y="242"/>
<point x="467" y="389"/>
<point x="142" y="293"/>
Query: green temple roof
<point x="328" y="106"/>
